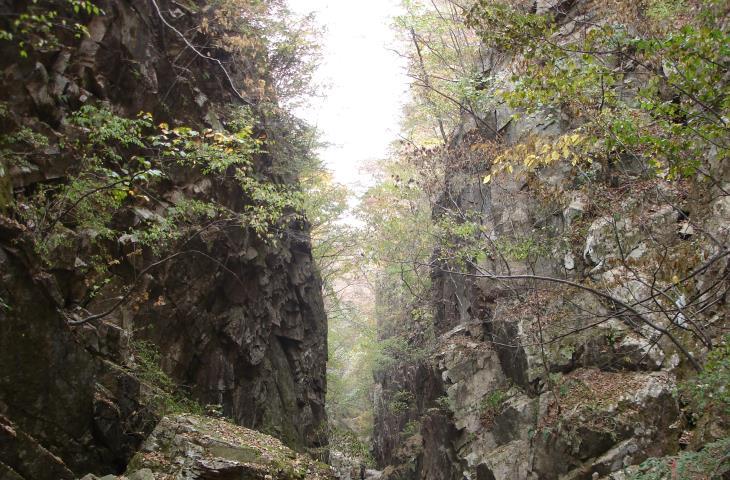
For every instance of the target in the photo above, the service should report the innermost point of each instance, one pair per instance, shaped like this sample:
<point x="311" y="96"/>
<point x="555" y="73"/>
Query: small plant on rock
<point x="491" y="406"/>
<point x="168" y="396"/>
<point x="410" y="429"/>
<point x="401" y="402"/>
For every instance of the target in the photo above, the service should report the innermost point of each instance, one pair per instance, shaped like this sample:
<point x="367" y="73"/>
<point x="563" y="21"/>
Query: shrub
<point x="401" y="402"/>
<point x="410" y="429"/>
<point x="709" y="392"/>
<point x="168" y="397"/>
<point x="712" y="462"/>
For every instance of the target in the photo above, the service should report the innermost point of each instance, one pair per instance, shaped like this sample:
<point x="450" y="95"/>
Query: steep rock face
<point x="58" y="396"/>
<point x="599" y="396"/>
<point x="397" y="401"/>
<point x="255" y="347"/>
<point x="237" y="320"/>
<point x="587" y="405"/>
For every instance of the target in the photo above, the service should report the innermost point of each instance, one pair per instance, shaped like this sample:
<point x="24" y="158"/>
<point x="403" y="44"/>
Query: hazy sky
<point x="361" y="112"/>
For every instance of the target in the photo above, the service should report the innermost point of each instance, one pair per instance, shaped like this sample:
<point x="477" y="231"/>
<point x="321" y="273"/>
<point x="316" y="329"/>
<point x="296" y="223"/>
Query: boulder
<point x="190" y="447"/>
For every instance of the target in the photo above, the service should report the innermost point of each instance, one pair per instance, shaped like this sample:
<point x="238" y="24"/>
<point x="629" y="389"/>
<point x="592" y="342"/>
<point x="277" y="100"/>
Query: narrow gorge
<point x="203" y="276"/>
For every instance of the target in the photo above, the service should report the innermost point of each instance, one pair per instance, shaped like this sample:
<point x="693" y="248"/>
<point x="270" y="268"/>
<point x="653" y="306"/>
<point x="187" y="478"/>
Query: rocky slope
<point x="529" y="378"/>
<point x="487" y="401"/>
<point x="235" y="319"/>
<point x="196" y="447"/>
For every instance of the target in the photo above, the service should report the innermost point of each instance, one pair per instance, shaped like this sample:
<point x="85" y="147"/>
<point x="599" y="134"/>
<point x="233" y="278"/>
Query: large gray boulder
<point x="190" y="447"/>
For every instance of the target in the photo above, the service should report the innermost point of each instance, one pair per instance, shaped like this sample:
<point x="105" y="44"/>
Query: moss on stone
<point x="206" y="447"/>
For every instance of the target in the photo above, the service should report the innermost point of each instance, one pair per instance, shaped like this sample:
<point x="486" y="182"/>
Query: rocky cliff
<point x="226" y="304"/>
<point x="535" y="370"/>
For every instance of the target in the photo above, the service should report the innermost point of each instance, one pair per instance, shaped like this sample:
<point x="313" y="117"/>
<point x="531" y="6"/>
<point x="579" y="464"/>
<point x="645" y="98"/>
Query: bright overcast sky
<point x="366" y="84"/>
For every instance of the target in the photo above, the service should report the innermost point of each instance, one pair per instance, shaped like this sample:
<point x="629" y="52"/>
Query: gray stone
<point x="189" y="447"/>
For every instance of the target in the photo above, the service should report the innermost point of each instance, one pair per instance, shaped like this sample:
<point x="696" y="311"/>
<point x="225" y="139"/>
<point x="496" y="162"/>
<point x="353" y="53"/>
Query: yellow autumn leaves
<point x="536" y="152"/>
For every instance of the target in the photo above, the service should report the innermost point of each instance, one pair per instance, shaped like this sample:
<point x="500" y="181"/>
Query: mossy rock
<point x="198" y="447"/>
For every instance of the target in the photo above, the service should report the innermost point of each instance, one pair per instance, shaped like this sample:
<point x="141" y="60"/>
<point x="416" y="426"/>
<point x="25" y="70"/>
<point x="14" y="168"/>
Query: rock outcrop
<point x="238" y="321"/>
<point x="597" y="399"/>
<point x="573" y="255"/>
<point x="84" y="410"/>
<point x="197" y="448"/>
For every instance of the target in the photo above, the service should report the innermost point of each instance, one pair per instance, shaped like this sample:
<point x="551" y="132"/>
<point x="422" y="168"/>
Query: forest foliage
<point x="117" y="193"/>
<point x="121" y="163"/>
<point x="639" y="97"/>
<point x="652" y="91"/>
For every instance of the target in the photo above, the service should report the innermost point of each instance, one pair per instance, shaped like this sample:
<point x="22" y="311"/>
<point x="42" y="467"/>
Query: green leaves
<point x="104" y="127"/>
<point x="118" y="162"/>
<point x="177" y="222"/>
<point x="709" y="390"/>
<point x="510" y="29"/>
<point x="708" y="463"/>
<point x="401" y="402"/>
<point x="663" y="98"/>
<point x="38" y="27"/>
<point x="211" y="151"/>
<point x="447" y="68"/>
